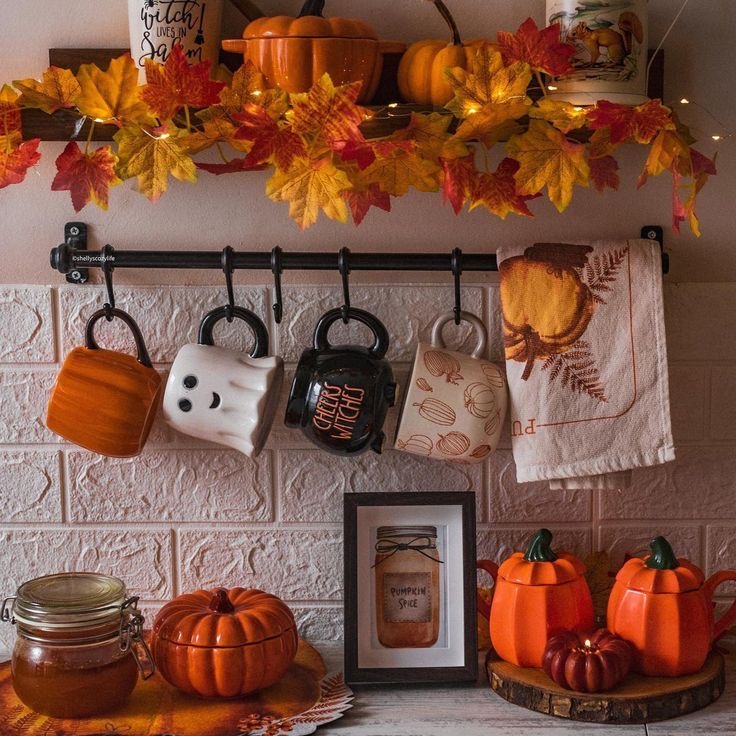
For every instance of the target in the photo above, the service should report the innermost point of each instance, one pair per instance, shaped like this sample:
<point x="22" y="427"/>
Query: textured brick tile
<point x="313" y="482"/>
<point x="319" y="624"/>
<point x="168" y="317"/>
<point x="700" y="483"/>
<point x="694" y="318"/>
<point x="721" y="552"/>
<point x="23" y="398"/>
<point x="531" y="502"/>
<point x="26" y="325"/>
<point x="30" y="486"/>
<point x="620" y="540"/>
<point x="497" y="544"/>
<point x="295" y="565"/>
<point x="408" y="313"/>
<point x="723" y="403"/>
<point x="181" y="485"/>
<point x="687" y="402"/>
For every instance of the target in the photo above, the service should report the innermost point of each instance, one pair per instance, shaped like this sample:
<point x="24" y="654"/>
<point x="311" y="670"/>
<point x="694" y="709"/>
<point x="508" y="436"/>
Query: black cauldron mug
<point x="341" y="393"/>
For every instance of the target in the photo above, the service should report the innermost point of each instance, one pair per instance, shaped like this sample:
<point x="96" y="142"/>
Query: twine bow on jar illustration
<point x="407" y="586"/>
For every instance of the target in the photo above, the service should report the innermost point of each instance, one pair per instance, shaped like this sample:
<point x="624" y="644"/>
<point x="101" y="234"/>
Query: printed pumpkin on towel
<point x="586" y="360"/>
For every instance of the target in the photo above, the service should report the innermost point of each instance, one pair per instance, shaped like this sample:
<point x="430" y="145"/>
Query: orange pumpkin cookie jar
<point x="224" y="643"/>
<point x="538" y="594"/>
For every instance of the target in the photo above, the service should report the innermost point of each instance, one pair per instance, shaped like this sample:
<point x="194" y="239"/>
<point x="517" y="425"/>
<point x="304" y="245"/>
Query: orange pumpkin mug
<point x="536" y="595"/>
<point x="664" y="606"/>
<point x="103" y="400"/>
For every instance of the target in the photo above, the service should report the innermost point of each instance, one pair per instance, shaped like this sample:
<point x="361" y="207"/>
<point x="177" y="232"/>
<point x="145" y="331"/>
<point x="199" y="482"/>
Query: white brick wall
<point x="188" y="514"/>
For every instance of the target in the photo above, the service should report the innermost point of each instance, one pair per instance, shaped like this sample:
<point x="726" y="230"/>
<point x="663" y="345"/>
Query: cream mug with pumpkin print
<point x="454" y="403"/>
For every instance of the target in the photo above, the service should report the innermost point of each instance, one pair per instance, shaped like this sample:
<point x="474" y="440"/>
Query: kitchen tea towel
<point x="586" y="361"/>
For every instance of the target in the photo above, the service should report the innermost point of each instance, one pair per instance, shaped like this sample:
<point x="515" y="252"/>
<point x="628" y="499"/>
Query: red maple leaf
<point x="604" y="172"/>
<point x="542" y="50"/>
<point x="361" y="201"/>
<point x="177" y="84"/>
<point x="459" y="178"/>
<point x="497" y="191"/>
<point x="231" y="167"/>
<point x="9" y="111"/>
<point x="641" y="123"/>
<point x="362" y="152"/>
<point x="15" y="163"/>
<point x="271" y="141"/>
<point x="87" y="176"/>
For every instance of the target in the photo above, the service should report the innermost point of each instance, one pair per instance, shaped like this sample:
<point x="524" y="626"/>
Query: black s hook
<point x="456" y="265"/>
<point x="108" y="258"/>
<point x="343" y="266"/>
<point x="227" y="266"/>
<point x="276" y="269"/>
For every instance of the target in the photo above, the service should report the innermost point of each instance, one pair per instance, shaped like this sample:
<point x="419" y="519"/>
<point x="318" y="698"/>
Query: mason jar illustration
<point x="407" y="584"/>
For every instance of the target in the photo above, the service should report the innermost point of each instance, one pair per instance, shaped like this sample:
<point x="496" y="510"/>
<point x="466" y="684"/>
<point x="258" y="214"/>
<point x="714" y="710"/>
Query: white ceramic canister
<point x="611" y="58"/>
<point x="157" y="25"/>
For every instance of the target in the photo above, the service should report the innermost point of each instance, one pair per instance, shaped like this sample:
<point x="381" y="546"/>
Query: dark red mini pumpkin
<point x="587" y="663"/>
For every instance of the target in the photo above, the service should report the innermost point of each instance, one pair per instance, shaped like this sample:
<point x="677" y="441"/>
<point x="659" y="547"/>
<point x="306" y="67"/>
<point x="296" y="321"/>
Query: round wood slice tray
<point x="637" y="699"/>
<point x="157" y="709"/>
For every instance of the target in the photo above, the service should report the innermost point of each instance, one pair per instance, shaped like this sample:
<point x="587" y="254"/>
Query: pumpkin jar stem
<point x="539" y="549"/>
<point x="662" y="557"/>
<point x="447" y="16"/>
<point x="220" y="603"/>
<point x="313" y="7"/>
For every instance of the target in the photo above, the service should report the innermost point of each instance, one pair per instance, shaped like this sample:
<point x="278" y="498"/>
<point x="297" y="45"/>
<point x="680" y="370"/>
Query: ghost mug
<point x="222" y="395"/>
<point x="340" y="394"/>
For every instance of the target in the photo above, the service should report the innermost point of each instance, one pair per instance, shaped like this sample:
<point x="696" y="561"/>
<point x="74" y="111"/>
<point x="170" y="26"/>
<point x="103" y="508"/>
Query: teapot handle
<point x="729" y="618"/>
<point x="492" y="569"/>
<point x="480" y="332"/>
<point x="380" y="343"/>
<point x="260" y="333"/>
<point x="140" y="344"/>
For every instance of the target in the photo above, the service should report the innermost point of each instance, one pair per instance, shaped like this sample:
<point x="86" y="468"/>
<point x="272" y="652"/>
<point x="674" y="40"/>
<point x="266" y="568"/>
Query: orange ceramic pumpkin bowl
<point x="294" y="53"/>
<point x="224" y="643"/>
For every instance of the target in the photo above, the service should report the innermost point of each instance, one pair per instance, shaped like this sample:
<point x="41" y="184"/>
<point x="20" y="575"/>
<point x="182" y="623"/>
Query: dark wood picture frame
<point x="355" y="674"/>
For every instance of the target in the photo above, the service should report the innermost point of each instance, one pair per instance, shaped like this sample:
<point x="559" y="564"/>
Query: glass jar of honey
<point x="79" y="646"/>
<point x="407" y="583"/>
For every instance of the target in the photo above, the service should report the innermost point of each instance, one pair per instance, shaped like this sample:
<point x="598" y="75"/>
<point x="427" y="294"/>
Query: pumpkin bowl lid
<point x="308" y="26"/>
<point x="635" y="575"/>
<point x="220" y="618"/>
<point x="517" y="569"/>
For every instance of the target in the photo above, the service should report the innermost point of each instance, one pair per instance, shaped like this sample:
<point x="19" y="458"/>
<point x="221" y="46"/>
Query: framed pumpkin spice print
<point x="410" y="602"/>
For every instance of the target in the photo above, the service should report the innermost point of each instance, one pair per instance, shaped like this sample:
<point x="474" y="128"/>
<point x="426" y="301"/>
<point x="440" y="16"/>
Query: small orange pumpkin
<point x="664" y="606"/>
<point x="537" y="594"/>
<point x="224" y="643"/>
<point x="421" y="74"/>
<point x="294" y="53"/>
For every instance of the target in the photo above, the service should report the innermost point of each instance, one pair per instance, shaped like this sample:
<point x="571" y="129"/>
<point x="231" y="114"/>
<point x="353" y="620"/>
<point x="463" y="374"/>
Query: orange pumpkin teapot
<point x="664" y="606"/>
<point x="537" y="594"/>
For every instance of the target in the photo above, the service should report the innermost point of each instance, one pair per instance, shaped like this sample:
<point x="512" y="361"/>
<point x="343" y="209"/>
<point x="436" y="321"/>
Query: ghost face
<point x="223" y="396"/>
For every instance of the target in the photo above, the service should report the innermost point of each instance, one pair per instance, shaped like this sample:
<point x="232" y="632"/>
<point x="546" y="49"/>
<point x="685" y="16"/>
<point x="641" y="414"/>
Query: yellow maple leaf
<point x="430" y="134"/>
<point x="58" y="89"/>
<point x="495" y="121"/>
<point x="152" y="156"/>
<point x="214" y="130"/>
<point x="563" y="115"/>
<point x="308" y="186"/>
<point x="247" y="85"/>
<point x="112" y="96"/>
<point x="547" y="159"/>
<point x="487" y="80"/>
<point x="10" y="121"/>
<point x="397" y="167"/>
<point x="667" y="148"/>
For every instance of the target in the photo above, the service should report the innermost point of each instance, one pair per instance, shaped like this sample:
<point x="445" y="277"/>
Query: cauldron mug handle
<point x="380" y="334"/>
<point x="260" y="333"/>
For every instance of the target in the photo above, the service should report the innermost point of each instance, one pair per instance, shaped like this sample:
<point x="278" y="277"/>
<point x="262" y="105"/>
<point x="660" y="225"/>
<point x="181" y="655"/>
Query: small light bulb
<point x="684" y="101"/>
<point x="716" y="137"/>
<point x="472" y="110"/>
<point x="99" y="120"/>
<point x="393" y="104"/>
<point x="587" y="642"/>
<point x="163" y="136"/>
<point x="256" y="93"/>
<point x="577" y="109"/>
<point x="551" y="87"/>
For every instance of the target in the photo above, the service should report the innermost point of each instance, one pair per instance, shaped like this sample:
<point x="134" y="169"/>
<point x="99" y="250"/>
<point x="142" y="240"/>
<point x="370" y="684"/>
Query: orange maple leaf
<point x="58" y="89"/>
<point x="15" y="162"/>
<point x="112" y="96"/>
<point x="459" y="179"/>
<point x="87" y="176"/>
<point x="214" y="130"/>
<point x="177" y="84"/>
<point x="668" y="152"/>
<point x="429" y="132"/>
<point x="361" y="200"/>
<point x="701" y="167"/>
<point x="542" y="50"/>
<point x="310" y="186"/>
<point x="397" y="167"/>
<point x="327" y="113"/>
<point x="547" y="159"/>
<point x="498" y="193"/>
<point x="272" y="141"/>
<point x="604" y="172"/>
<point x="563" y="115"/>
<point x="152" y="156"/>
<point x="641" y="123"/>
<point x="247" y="85"/>
<point x="494" y="122"/>
<point x="10" y="125"/>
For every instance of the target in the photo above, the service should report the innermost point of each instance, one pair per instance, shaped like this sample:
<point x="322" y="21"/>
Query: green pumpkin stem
<point x="539" y="549"/>
<point x="447" y="15"/>
<point x="662" y="557"/>
<point x="312" y="7"/>
<point x="220" y="603"/>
